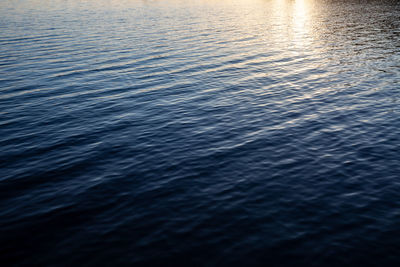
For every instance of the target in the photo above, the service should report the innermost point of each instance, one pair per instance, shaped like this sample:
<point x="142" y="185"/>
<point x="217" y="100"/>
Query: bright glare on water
<point x="199" y="132"/>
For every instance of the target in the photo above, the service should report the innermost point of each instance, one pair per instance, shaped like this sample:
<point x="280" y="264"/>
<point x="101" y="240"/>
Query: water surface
<point x="199" y="132"/>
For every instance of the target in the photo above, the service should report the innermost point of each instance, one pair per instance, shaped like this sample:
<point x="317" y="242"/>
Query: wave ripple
<point x="217" y="133"/>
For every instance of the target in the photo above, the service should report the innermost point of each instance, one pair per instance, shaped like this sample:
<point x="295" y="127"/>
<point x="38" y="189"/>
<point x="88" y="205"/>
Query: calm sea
<point x="199" y="132"/>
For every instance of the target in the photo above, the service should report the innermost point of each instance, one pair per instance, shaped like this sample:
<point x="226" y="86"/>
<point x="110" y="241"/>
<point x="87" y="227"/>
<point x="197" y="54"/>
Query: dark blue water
<point x="199" y="133"/>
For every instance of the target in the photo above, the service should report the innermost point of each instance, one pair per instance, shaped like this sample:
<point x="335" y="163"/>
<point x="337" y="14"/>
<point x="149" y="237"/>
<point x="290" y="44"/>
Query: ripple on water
<point x="199" y="132"/>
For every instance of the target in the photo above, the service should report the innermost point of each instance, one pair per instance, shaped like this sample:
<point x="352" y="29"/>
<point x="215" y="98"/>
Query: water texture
<point x="199" y="132"/>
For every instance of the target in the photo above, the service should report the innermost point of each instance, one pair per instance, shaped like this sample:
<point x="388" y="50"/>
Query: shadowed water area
<point x="199" y="133"/>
